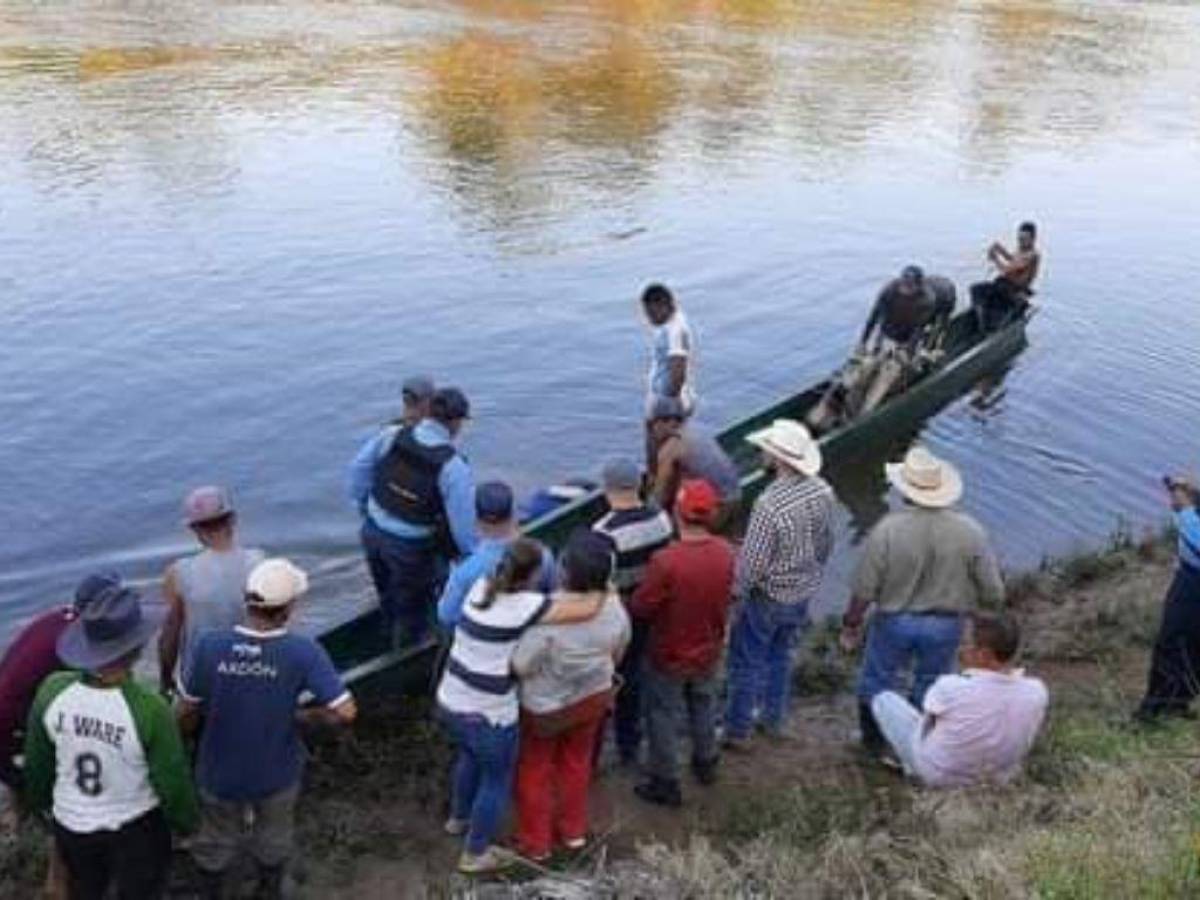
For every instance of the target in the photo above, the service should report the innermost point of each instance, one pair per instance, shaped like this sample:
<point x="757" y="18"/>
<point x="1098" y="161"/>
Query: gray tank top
<point x="213" y="589"/>
<point x="702" y="457"/>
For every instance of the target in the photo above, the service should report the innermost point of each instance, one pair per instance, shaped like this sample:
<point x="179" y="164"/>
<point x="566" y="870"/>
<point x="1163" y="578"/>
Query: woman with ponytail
<point x="477" y="696"/>
<point x="567" y="691"/>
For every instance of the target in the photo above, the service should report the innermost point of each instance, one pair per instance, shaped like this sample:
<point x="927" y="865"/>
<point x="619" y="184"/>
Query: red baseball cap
<point x="697" y="501"/>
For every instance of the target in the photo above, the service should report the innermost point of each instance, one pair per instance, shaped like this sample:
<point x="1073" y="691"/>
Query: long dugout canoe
<point x="363" y="654"/>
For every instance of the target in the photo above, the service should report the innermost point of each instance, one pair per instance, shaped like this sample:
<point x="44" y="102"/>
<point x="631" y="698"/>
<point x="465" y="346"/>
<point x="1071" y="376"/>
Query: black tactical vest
<point x="406" y="480"/>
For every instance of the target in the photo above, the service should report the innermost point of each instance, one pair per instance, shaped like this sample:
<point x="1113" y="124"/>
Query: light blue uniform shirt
<point x="455" y="482"/>
<point x="481" y="564"/>
<point x="1188" y="522"/>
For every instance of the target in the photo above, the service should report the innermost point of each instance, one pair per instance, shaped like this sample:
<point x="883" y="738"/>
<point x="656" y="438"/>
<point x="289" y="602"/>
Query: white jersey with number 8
<point x="103" y="780"/>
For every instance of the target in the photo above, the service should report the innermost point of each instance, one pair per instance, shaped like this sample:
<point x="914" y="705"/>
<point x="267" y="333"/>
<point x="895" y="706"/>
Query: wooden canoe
<point x="362" y="654"/>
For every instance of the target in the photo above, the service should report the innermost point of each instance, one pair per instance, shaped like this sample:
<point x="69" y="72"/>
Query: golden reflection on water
<point x="600" y="90"/>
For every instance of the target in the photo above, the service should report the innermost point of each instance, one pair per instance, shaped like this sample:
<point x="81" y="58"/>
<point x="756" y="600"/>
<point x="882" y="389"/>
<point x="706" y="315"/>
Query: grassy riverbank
<point x="1105" y="810"/>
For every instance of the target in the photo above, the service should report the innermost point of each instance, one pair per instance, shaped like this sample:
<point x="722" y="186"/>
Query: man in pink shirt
<point x="976" y="727"/>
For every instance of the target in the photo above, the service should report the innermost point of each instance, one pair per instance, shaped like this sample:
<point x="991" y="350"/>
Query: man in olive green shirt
<point x="924" y="567"/>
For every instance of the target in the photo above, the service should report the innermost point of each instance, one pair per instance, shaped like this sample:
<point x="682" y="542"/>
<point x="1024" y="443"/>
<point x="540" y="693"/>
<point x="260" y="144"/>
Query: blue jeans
<point x="408" y="577"/>
<point x="760" y="663"/>
<point x="895" y="640"/>
<point x="483" y="774"/>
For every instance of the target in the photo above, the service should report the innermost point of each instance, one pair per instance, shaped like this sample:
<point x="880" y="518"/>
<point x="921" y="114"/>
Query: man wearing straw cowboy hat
<point x="925" y="567"/>
<point x="103" y="754"/>
<point x="788" y="539"/>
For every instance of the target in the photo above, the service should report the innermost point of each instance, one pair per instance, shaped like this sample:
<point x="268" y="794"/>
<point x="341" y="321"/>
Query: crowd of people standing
<point x="651" y="619"/>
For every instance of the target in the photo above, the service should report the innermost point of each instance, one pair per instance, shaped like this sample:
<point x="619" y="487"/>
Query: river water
<point x="229" y="230"/>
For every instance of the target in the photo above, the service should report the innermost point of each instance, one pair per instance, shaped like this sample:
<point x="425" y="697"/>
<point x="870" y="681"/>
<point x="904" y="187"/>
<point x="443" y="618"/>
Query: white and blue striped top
<point x="478" y="679"/>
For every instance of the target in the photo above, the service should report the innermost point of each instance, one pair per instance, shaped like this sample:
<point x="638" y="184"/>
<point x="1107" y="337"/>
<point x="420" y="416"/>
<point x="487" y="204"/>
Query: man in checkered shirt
<point x="788" y="540"/>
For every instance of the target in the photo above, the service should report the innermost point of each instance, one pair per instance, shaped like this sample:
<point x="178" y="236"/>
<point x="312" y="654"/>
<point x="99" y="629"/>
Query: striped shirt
<point x="636" y="534"/>
<point x="478" y="679"/>
<point x="788" y="540"/>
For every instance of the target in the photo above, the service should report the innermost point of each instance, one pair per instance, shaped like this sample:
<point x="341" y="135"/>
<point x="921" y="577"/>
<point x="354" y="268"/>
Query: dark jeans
<point x="668" y="698"/>
<point x="627" y="717"/>
<point x="895" y="640"/>
<point x="408" y="577"/>
<point x="1174" y="679"/>
<point x="761" y="645"/>
<point x="995" y="302"/>
<point x="483" y="775"/>
<point x="136" y="858"/>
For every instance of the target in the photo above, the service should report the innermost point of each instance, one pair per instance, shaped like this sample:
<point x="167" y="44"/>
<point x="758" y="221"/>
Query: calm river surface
<point x="228" y="230"/>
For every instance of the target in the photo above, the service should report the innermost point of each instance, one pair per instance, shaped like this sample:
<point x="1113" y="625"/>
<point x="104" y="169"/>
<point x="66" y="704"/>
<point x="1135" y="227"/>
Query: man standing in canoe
<point x="995" y="301"/>
<point x="417" y="497"/>
<point x="672" y="356"/>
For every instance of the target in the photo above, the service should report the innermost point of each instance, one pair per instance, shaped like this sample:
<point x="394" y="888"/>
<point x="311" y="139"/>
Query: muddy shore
<point x="369" y="822"/>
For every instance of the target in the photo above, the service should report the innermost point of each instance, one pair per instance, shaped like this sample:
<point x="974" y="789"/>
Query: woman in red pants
<point x="566" y="676"/>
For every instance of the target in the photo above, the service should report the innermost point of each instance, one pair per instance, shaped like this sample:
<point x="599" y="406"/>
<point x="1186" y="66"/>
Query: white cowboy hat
<point x="790" y="443"/>
<point x="926" y="480"/>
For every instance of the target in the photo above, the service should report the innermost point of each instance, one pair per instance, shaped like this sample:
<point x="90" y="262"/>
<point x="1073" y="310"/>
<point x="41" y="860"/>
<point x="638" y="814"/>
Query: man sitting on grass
<point x="976" y="727"/>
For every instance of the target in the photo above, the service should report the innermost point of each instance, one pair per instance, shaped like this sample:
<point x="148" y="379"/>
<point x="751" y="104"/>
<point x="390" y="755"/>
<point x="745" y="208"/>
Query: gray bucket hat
<point x="109" y="627"/>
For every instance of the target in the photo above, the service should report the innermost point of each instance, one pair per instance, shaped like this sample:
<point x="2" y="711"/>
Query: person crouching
<point x="566" y="674"/>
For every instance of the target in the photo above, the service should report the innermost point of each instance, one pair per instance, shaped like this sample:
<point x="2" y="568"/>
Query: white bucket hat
<point x="274" y="583"/>
<point x="926" y="480"/>
<point x="789" y="442"/>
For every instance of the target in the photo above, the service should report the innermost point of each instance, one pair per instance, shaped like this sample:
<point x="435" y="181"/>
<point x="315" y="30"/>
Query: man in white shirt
<point x="976" y="727"/>
<point x="672" y="351"/>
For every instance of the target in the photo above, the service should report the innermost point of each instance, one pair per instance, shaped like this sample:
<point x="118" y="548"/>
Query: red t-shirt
<point x="685" y="598"/>
<point x="29" y="659"/>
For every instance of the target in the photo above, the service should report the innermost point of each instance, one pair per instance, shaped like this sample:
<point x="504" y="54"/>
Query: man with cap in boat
<point x="203" y="591"/>
<point x="29" y="659"/>
<point x="910" y="311"/>
<point x="924" y="568"/>
<point x="417" y="497"/>
<point x="497" y="527"/>
<point x="103" y="755"/>
<point x="788" y="540"/>
<point x="248" y="682"/>
<point x="683" y="450"/>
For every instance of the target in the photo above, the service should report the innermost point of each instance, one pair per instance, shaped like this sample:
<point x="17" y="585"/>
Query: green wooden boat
<point x="362" y="654"/>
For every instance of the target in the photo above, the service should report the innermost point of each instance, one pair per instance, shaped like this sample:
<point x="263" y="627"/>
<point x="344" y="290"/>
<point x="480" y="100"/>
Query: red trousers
<point x="553" y="776"/>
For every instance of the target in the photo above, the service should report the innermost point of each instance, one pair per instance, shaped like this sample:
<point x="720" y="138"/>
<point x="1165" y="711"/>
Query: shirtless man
<point x="994" y="301"/>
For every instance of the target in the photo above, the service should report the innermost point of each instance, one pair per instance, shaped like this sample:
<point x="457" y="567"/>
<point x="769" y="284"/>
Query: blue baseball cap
<point x="493" y="502"/>
<point x="450" y="403"/>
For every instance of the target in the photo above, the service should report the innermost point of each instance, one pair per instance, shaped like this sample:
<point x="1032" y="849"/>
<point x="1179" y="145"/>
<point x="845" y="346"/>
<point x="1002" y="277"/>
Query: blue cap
<point x="449" y="404"/>
<point x="493" y="501"/>
<point x="912" y="273"/>
<point x="667" y="408"/>
<point x="620" y="473"/>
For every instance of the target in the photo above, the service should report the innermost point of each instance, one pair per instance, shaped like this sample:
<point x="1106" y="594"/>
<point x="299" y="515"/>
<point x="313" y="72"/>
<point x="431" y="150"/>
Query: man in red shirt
<point x="29" y="659"/>
<point x="685" y="600"/>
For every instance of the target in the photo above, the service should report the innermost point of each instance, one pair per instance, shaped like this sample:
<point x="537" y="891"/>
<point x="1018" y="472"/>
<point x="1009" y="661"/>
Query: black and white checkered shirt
<point x="788" y="540"/>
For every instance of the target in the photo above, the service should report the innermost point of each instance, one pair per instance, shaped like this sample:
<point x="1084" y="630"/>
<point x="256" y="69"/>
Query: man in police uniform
<point x="417" y="498"/>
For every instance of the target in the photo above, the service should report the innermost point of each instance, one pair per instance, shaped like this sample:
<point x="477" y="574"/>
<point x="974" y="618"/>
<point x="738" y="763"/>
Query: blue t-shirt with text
<point x="248" y="684"/>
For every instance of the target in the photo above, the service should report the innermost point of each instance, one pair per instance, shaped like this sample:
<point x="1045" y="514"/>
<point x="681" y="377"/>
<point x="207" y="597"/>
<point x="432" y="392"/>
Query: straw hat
<point x="790" y="443"/>
<point x="926" y="480"/>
